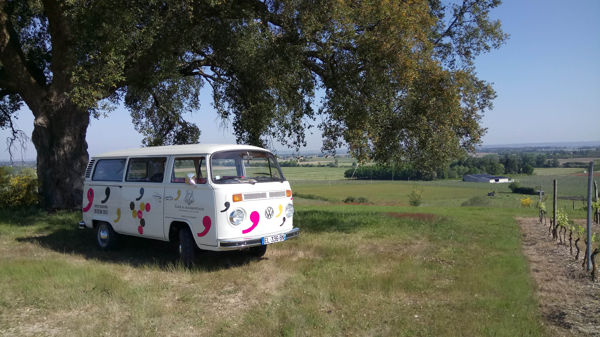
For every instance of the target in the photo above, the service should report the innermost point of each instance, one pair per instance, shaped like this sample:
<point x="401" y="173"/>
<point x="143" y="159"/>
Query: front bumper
<point x="244" y="243"/>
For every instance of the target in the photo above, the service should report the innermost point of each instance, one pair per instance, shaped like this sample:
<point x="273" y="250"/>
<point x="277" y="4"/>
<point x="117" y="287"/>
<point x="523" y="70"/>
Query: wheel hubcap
<point x="103" y="233"/>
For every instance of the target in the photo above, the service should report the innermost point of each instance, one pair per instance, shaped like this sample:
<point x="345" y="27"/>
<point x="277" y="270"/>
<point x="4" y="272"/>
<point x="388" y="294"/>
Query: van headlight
<point x="237" y="216"/>
<point x="289" y="210"/>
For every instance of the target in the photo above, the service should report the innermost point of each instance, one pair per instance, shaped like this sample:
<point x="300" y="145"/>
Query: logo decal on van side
<point x="90" y="197"/>
<point x="254" y="217"/>
<point x="189" y="197"/>
<point x="178" y="195"/>
<point x="206" y="223"/>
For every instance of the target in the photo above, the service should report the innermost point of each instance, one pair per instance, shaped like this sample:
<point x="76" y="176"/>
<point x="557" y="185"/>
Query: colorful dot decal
<point x="139" y="213"/>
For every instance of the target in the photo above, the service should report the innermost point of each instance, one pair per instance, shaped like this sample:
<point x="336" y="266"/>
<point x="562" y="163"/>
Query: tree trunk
<point x="59" y="138"/>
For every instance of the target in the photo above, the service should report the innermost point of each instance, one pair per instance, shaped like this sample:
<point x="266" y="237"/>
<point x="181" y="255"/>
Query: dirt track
<point x="569" y="301"/>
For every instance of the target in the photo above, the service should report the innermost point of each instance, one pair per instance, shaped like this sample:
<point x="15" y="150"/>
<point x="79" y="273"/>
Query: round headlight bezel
<point x="289" y="210"/>
<point x="237" y="216"/>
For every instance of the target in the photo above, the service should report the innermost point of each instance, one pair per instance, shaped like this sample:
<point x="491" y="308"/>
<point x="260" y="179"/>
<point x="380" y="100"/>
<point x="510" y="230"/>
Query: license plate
<point x="273" y="238"/>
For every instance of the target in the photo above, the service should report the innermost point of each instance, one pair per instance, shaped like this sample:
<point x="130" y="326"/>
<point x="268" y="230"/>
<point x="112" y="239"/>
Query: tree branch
<point x="23" y="81"/>
<point x="462" y="11"/>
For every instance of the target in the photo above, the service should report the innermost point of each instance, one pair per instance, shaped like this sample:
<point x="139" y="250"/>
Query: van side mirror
<point x="191" y="179"/>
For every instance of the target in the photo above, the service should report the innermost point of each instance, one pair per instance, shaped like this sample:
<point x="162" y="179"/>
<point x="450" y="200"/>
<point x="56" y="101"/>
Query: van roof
<point x="190" y="149"/>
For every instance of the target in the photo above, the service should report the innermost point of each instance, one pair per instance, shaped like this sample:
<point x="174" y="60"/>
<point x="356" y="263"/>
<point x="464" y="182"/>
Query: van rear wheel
<point x="106" y="237"/>
<point x="186" y="248"/>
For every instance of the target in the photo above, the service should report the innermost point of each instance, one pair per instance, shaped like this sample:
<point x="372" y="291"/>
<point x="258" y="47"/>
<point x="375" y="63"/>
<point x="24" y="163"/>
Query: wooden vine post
<point x="554" y="202"/>
<point x="597" y="210"/>
<point x="589" y="218"/>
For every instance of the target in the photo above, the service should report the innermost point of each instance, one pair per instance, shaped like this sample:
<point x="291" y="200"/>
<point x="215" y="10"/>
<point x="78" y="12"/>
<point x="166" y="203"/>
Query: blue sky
<point x="547" y="77"/>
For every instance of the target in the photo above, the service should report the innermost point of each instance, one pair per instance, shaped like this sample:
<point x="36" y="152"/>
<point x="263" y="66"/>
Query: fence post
<point x="589" y="216"/>
<point x="554" y="202"/>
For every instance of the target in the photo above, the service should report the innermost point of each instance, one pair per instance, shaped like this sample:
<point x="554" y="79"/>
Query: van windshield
<point x="239" y="167"/>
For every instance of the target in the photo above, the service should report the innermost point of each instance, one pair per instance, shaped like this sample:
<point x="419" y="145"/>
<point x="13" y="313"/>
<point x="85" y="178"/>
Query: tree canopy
<point x="397" y="77"/>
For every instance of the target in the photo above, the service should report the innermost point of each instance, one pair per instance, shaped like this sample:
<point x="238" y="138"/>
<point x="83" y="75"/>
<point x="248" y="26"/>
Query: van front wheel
<point x="257" y="251"/>
<point x="106" y="238"/>
<point x="186" y="247"/>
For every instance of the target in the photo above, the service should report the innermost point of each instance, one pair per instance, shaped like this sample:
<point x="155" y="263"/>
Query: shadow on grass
<point x="133" y="251"/>
<point x="329" y="221"/>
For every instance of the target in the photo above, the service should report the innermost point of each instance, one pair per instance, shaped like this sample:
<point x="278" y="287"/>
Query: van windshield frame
<point x="244" y="166"/>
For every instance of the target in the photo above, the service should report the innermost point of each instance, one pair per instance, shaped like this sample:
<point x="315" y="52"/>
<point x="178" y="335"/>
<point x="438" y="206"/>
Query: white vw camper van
<point x="212" y="197"/>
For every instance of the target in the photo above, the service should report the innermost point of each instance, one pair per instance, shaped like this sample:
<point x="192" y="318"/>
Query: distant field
<point x="313" y="173"/>
<point x="556" y="171"/>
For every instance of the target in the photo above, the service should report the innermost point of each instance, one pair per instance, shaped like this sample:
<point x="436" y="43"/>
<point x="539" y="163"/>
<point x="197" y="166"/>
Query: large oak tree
<point x="397" y="77"/>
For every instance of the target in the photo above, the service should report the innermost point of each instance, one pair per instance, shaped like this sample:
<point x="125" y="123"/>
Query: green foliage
<point x="516" y="188"/>
<point x="415" y="198"/>
<point x="541" y="206"/>
<point x="562" y="218"/>
<point x="392" y="72"/>
<point x="18" y="189"/>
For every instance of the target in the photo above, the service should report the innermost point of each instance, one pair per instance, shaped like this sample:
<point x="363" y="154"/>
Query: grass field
<point x="377" y="269"/>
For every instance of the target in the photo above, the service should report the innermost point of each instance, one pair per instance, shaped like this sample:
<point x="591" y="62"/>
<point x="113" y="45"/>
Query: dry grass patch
<point x="569" y="300"/>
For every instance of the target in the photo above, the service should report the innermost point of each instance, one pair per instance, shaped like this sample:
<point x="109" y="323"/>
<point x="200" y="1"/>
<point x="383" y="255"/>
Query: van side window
<point x="184" y="166"/>
<point x="109" y="170"/>
<point x="146" y="170"/>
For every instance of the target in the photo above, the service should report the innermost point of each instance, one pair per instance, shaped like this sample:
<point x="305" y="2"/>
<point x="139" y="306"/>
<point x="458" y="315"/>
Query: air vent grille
<point x="88" y="171"/>
<point x="278" y="194"/>
<point x="254" y="196"/>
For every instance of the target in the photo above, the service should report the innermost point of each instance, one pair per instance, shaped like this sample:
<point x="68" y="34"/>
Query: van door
<point x="143" y="193"/>
<point x="191" y="202"/>
<point x="102" y="199"/>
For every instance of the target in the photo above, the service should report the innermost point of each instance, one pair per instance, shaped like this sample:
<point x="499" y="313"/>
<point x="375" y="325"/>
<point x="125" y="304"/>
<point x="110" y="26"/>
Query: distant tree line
<point x="515" y="163"/>
<point x="296" y="163"/>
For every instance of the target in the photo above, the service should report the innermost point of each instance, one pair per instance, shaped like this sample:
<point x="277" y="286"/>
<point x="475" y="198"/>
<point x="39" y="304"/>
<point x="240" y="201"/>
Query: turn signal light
<point x="237" y="197"/>
<point x="288" y="193"/>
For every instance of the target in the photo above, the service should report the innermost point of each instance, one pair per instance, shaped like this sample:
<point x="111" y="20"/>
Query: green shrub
<point x="17" y="190"/>
<point x="360" y="200"/>
<point x="415" y="198"/>
<point x="516" y="188"/>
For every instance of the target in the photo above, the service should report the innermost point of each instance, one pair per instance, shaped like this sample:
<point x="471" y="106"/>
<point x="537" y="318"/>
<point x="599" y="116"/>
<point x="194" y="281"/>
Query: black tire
<point x="106" y="237"/>
<point x="257" y="251"/>
<point x="186" y="249"/>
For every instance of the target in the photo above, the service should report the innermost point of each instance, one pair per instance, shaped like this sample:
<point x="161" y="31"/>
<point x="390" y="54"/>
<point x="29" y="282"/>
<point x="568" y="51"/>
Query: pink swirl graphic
<point x="90" y="197"/>
<point x="206" y="222"/>
<point x="254" y="217"/>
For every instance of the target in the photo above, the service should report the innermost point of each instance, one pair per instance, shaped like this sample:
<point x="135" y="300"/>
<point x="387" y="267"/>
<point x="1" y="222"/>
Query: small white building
<point x="486" y="178"/>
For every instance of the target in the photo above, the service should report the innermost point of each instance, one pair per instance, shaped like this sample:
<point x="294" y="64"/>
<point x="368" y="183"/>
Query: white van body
<point x="228" y="196"/>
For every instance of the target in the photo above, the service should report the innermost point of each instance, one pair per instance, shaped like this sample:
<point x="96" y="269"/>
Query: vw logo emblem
<point x="269" y="212"/>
